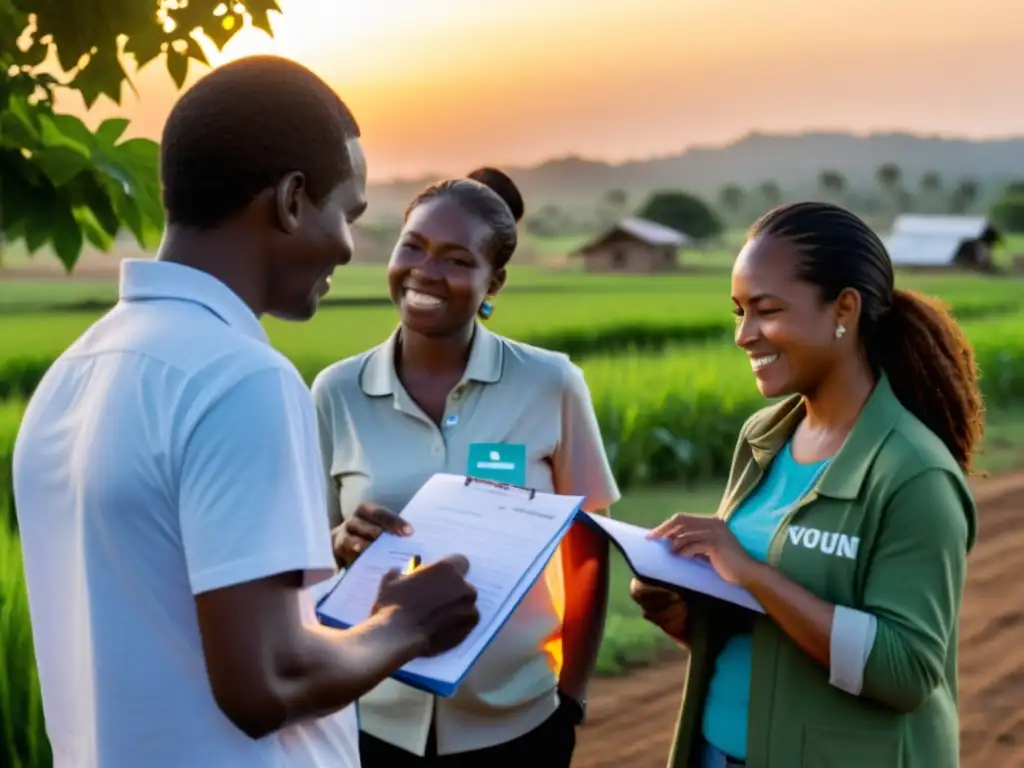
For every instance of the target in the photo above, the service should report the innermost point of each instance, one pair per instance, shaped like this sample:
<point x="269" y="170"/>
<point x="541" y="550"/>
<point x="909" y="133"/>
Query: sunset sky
<point x="448" y="84"/>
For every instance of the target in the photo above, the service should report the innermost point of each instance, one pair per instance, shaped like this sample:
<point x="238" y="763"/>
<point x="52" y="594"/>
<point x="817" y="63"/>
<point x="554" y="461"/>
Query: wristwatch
<point x="577" y="708"/>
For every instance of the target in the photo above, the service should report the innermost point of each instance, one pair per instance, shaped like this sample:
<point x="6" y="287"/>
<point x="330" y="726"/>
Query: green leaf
<point x="94" y="192"/>
<point x="221" y="30"/>
<point x="36" y="229"/>
<point x="134" y="188"/>
<point x="111" y="130"/>
<point x="95" y="234"/>
<point x="129" y="213"/>
<point x="74" y="129"/>
<point x="177" y="66"/>
<point x="12" y="22"/>
<point x="145" y="45"/>
<point x="67" y="236"/>
<point x="32" y="56"/>
<point x="57" y="134"/>
<point x="14" y="134"/>
<point x="15" y="193"/>
<point x="61" y="164"/>
<point x="16" y="124"/>
<point x="102" y="76"/>
<point x="143" y="151"/>
<point x="259" y="13"/>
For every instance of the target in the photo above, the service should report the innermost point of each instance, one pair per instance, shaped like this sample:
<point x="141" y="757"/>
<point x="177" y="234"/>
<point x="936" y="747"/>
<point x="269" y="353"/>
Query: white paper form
<point x="508" y="535"/>
<point x="654" y="561"/>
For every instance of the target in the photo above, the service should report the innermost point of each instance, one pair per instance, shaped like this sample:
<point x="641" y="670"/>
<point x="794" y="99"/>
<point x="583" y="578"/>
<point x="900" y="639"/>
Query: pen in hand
<point x="412" y="565"/>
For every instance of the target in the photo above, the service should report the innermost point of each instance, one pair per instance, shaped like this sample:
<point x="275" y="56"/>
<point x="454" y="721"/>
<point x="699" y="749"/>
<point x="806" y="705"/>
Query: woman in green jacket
<point x="846" y="515"/>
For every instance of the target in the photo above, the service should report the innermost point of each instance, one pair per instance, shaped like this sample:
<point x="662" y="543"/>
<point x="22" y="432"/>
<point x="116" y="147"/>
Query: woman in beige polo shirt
<point x="441" y="388"/>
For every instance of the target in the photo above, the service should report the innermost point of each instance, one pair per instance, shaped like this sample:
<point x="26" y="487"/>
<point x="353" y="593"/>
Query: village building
<point x="633" y="245"/>
<point x="942" y="242"/>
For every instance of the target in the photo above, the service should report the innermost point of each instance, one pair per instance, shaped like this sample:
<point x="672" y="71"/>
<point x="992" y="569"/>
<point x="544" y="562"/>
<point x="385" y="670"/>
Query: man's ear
<point x="288" y="198"/>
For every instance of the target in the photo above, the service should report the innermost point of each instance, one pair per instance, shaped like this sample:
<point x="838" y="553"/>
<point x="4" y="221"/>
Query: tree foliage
<point x="732" y="197"/>
<point x="683" y="212"/>
<point x="60" y="183"/>
<point x="1015" y="187"/>
<point x="963" y="196"/>
<point x="832" y="183"/>
<point x="1007" y="213"/>
<point x="771" y="193"/>
<point x="889" y="176"/>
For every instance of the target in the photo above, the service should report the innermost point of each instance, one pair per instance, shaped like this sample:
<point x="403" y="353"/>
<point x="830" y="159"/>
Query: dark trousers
<point x="549" y="745"/>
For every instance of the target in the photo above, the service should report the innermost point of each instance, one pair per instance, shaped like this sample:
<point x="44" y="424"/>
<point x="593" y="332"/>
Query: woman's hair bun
<point x="503" y="187"/>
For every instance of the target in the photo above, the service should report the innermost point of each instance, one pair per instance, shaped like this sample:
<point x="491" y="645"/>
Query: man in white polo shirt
<point x="167" y="478"/>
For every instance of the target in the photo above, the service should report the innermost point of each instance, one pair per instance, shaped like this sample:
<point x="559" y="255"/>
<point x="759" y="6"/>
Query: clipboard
<point x="508" y="554"/>
<point x="531" y="492"/>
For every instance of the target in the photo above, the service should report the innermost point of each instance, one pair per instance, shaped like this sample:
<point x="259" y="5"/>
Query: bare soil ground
<point x="630" y="719"/>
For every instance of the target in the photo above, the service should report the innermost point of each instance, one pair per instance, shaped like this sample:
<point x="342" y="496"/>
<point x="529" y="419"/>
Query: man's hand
<point x="434" y="603"/>
<point x="351" y="538"/>
<point x="267" y="668"/>
<point x="661" y="607"/>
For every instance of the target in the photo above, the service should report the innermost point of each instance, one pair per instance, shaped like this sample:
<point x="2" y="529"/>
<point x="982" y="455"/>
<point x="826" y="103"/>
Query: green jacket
<point x="905" y="521"/>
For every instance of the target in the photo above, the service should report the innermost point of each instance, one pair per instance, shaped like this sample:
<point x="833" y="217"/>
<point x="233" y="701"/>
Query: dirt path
<point x="631" y="719"/>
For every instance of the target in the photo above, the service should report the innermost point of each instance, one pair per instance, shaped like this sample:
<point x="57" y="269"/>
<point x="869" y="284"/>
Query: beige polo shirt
<point x="379" y="446"/>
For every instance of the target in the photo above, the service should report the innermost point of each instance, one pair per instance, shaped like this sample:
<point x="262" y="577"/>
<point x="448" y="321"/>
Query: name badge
<point x="500" y="462"/>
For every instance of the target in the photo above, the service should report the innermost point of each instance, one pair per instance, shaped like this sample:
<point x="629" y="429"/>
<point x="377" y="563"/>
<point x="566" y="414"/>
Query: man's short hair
<point x="242" y="128"/>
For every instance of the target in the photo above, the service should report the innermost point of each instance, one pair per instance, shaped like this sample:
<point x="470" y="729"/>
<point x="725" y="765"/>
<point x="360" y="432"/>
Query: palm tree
<point x="889" y="176"/>
<point x="616" y="199"/>
<point x="931" y="187"/>
<point x="832" y="185"/>
<point x="732" y="197"/>
<point x="613" y="206"/>
<point x="931" y="181"/>
<point x="964" y="196"/>
<point x="771" y="193"/>
<point x="890" y="179"/>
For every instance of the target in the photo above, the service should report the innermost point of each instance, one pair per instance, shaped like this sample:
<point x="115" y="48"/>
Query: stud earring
<point x="486" y="309"/>
<point x="840" y="331"/>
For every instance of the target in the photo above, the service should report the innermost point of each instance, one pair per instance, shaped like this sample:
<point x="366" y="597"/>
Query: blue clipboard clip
<point x="501" y="486"/>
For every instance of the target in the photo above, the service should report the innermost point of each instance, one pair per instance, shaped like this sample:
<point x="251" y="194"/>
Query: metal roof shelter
<point x="940" y="241"/>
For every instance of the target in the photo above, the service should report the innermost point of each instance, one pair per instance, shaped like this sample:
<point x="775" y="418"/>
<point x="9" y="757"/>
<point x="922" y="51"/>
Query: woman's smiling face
<point x="440" y="272"/>
<point x="782" y="323"/>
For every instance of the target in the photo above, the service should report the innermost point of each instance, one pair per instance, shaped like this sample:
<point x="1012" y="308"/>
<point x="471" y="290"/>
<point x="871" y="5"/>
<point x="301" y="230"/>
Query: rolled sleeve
<point x="251" y="500"/>
<point x="914" y="589"/>
<point x="580" y="463"/>
<point x="853" y="635"/>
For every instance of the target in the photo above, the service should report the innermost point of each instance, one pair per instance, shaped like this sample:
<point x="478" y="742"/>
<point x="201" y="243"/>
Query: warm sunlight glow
<point x="447" y="84"/>
<point x="320" y="33"/>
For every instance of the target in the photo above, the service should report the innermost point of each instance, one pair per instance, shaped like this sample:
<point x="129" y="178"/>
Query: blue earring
<point x="486" y="309"/>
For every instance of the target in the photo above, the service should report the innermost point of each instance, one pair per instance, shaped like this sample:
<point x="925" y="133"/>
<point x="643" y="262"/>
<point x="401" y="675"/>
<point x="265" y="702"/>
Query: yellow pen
<point x="413" y="564"/>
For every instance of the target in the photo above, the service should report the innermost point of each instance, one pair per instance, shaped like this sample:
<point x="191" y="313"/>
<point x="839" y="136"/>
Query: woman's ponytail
<point x="931" y="367"/>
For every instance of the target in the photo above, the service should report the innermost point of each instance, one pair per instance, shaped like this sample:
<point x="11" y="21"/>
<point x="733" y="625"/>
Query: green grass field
<point x="669" y="388"/>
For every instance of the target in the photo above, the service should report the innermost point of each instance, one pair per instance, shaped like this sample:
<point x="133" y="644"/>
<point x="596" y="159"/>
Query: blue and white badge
<point x="501" y="462"/>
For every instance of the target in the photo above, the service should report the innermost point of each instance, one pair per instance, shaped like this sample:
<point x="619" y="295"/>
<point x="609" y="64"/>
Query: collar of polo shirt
<point x="486" y="360"/>
<point x="143" y="279"/>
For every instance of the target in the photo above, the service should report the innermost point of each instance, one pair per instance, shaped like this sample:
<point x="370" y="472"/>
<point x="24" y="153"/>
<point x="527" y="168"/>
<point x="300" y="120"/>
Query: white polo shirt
<point x="168" y="452"/>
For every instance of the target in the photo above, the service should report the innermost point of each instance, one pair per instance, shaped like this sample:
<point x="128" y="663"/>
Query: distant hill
<point x="793" y="161"/>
